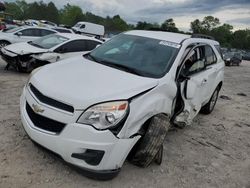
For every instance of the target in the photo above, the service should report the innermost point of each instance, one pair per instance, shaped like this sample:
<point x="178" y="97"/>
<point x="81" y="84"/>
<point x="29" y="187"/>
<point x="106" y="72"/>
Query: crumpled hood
<point x="24" y="48"/>
<point x="82" y="83"/>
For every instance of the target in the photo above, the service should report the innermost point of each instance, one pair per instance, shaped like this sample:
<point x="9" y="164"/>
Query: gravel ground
<point x="213" y="152"/>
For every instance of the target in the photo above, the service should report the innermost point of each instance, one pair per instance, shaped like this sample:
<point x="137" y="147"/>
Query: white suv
<point x="120" y="100"/>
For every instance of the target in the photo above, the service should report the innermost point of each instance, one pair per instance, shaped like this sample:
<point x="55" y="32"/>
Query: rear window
<point x="63" y="30"/>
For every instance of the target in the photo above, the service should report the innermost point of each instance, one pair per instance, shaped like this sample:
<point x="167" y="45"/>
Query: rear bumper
<point x="79" y="139"/>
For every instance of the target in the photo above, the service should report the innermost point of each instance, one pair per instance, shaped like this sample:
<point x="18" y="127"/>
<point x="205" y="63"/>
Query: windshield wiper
<point x="114" y="65"/>
<point x="122" y="67"/>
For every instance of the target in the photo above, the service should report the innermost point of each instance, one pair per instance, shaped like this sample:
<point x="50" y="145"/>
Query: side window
<point x="63" y="30"/>
<point x="30" y="32"/>
<point x="90" y="44"/>
<point x="195" y="62"/>
<point x="218" y="48"/>
<point x="82" y="26"/>
<point x="210" y="56"/>
<point x="73" y="46"/>
<point x="45" y="32"/>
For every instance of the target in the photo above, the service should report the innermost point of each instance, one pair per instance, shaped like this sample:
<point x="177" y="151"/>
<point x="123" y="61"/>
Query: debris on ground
<point x="225" y="97"/>
<point x="242" y="94"/>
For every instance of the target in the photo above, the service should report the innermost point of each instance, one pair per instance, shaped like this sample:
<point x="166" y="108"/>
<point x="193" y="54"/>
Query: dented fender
<point x="156" y="101"/>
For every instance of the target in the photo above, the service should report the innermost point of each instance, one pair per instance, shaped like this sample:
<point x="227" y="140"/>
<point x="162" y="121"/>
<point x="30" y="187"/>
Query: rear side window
<point x="90" y="44"/>
<point x="63" y="30"/>
<point x="31" y="32"/>
<point x="45" y="32"/>
<point x="73" y="46"/>
<point x="210" y="56"/>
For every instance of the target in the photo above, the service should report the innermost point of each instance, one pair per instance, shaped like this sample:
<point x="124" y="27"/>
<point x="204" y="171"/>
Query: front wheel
<point x="209" y="107"/>
<point x="150" y="147"/>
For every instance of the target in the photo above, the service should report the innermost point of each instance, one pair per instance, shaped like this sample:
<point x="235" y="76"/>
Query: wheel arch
<point x="4" y="40"/>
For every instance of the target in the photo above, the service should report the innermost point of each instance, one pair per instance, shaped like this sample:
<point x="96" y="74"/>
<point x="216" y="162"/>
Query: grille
<point x="44" y="122"/>
<point x="51" y="102"/>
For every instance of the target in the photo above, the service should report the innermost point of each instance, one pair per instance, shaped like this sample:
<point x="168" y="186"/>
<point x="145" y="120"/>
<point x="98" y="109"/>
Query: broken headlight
<point x="106" y="115"/>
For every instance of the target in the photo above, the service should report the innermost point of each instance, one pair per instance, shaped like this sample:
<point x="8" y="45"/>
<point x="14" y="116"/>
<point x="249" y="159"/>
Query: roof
<point x="160" y="35"/>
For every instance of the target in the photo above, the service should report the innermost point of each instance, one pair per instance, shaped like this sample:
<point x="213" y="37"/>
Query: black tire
<point x="150" y="146"/>
<point x="20" y="68"/>
<point x="3" y="43"/>
<point x="209" y="107"/>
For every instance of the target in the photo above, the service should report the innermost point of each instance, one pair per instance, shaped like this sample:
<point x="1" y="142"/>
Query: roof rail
<point x="202" y="36"/>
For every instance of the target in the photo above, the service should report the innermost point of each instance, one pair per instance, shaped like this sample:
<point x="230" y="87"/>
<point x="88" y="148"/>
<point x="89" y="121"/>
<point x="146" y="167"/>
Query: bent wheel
<point x="150" y="147"/>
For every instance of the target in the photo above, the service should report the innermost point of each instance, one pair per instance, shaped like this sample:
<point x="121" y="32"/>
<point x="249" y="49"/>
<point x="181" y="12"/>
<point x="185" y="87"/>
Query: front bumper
<point x="78" y="139"/>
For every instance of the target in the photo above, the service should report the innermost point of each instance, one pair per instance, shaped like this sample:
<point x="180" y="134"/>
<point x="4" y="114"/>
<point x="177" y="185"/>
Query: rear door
<point x="28" y="34"/>
<point x="212" y="70"/>
<point x="76" y="47"/>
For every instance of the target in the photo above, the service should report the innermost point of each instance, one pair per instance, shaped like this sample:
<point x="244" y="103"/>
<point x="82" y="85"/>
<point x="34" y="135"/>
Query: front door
<point x="194" y="84"/>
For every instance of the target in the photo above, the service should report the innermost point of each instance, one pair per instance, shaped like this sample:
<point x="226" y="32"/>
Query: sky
<point x="234" y="12"/>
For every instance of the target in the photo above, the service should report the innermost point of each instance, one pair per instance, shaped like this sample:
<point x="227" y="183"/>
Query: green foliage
<point x="71" y="14"/>
<point x="169" y="25"/>
<point x="241" y="39"/>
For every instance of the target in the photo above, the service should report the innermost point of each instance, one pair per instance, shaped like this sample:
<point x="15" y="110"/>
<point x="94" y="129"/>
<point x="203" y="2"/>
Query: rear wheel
<point x="209" y="107"/>
<point x="150" y="147"/>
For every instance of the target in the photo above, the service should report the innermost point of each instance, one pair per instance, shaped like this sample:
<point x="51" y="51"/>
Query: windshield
<point x="140" y="55"/>
<point x="77" y="25"/>
<point x="49" y="41"/>
<point x="12" y="30"/>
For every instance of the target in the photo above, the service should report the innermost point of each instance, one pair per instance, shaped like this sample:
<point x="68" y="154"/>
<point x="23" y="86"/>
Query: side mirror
<point x="189" y="89"/>
<point x="62" y="50"/>
<point x="19" y="34"/>
<point x="97" y="46"/>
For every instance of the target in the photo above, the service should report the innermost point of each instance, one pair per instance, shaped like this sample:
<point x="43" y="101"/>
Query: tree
<point x="205" y="26"/>
<point x="223" y="34"/>
<point x="210" y="22"/>
<point x="196" y="26"/>
<point x="2" y="6"/>
<point x="71" y="14"/>
<point x="143" y="26"/>
<point x="169" y="25"/>
<point x="52" y="13"/>
<point x="241" y="39"/>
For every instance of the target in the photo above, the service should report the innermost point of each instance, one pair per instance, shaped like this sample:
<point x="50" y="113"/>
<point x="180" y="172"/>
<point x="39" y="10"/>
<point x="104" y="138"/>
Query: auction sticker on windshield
<point x="171" y="44"/>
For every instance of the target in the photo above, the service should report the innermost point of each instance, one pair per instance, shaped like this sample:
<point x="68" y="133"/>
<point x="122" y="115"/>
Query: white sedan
<point x="26" y="56"/>
<point x="23" y="34"/>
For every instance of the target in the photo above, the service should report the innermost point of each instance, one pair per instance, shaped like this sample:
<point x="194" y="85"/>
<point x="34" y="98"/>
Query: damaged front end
<point x="22" y="63"/>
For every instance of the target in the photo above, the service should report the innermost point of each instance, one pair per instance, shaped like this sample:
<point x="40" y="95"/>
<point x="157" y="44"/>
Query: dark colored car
<point x="246" y="56"/>
<point x="233" y="58"/>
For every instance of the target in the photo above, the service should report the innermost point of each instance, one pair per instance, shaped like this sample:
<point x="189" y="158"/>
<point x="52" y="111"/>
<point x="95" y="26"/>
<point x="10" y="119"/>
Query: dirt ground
<point x="213" y="152"/>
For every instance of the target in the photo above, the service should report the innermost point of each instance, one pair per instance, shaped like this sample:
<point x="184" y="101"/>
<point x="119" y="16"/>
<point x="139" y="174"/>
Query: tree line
<point x="71" y="14"/>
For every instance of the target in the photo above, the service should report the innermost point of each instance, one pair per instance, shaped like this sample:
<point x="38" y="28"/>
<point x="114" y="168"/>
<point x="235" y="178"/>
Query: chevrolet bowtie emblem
<point x="37" y="109"/>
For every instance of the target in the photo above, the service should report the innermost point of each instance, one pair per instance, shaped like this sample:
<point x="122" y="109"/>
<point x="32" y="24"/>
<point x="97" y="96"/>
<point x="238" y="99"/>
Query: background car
<point x="232" y="58"/>
<point x="23" y="34"/>
<point x="49" y="49"/>
<point x="246" y="56"/>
